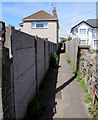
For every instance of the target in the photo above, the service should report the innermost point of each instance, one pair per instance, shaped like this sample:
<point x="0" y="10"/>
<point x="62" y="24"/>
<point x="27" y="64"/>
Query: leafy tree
<point x="69" y="38"/>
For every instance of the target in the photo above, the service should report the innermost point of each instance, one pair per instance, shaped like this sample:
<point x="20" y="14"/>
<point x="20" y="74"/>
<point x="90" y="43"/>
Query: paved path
<point x="63" y="94"/>
<point x="71" y="105"/>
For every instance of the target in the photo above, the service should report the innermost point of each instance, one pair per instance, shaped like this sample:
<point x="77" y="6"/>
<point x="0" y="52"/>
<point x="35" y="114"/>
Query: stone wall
<point x="27" y="62"/>
<point x="88" y="68"/>
<point x="84" y="61"/>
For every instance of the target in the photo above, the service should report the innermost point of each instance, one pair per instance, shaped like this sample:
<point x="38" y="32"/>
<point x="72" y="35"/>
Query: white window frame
<point x="82" y="32"/>
<point x="34" y="24"/>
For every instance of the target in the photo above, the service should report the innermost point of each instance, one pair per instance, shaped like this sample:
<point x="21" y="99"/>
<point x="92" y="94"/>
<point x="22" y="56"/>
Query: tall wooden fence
<point x="25" y="62"/>
<point x="72" y="50"/>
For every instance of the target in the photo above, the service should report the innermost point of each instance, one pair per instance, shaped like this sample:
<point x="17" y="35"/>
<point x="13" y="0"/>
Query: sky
<point x="69" y="13"/>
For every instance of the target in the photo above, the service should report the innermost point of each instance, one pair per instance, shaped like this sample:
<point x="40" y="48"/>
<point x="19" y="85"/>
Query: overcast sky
<point x="69" y="13"/>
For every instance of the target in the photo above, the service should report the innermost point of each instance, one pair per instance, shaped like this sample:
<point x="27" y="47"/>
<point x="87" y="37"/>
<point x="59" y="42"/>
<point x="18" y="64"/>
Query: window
<point x="82" y="31"/>
<point x="95" y="42"/>
<point x="39" y="24"/>
<point x="82" y="42"/>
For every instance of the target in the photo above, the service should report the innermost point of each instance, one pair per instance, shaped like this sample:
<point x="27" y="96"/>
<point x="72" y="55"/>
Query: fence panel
<point x="72" y="50"/>
<point x="29" y="56"/>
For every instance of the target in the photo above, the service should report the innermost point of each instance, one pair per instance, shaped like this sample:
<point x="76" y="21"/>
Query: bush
<point x="88" y="98"/>
<point x="93" y="109"/>
<point x="69" y="38"/>
<point x="63" y="41"/>
<point x="93" y="51"/>
<point x="35" y="107"/>
<point x="53" y="60"/>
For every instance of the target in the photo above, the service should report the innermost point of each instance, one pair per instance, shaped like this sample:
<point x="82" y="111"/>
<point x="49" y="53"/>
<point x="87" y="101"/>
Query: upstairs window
<point x="39" y="24"/>
<point x="82" y="31"/>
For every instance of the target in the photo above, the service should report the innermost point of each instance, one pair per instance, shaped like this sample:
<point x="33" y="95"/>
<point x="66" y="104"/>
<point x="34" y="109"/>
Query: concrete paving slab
<point x="62" y="94"/>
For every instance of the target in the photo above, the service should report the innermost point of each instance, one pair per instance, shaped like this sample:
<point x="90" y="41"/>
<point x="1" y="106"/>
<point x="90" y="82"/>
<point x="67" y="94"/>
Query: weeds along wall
<point x="29" y="56"/>
<point x="72" y="50"/>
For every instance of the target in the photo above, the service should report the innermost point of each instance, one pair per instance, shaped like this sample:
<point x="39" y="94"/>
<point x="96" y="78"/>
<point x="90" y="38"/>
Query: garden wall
<point x="89" y="69"/>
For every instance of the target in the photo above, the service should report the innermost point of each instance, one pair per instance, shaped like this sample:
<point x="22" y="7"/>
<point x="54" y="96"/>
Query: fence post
<point x="45" y="56"/>
<point x="2" y="40"/>
<point x="7" y="79"/>
<point x="36" y="64"/>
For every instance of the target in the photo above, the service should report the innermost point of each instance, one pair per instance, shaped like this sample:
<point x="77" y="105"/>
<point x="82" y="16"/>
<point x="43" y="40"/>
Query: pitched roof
<point x="91" y="22"/>
<point x="41" y="15"/>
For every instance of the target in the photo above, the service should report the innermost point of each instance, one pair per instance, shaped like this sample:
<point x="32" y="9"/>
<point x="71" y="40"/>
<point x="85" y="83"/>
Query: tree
<point x="69" y="38"/>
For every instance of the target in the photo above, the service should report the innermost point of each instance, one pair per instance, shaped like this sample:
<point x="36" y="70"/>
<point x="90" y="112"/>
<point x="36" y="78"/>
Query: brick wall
<point x="27" y="62"/>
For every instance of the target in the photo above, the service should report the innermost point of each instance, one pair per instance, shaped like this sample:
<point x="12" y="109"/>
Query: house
<point x="42" y="24"/>
<point x="87" y="31"/>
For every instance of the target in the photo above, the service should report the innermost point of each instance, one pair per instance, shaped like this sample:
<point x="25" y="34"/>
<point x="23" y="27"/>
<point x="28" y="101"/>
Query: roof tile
<point x="40" y="15"/>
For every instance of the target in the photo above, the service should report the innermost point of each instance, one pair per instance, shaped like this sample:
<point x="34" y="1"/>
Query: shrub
<point x="35" y="107"/>
<point x="69" y="38"/>
<point x="53" y="60"/>
<point x="88" y="98"/>
<point x="93" y="109"/>
<point x="96" y="51"/>
<point x="93" y="51"/>
<point x="63" y="41"/>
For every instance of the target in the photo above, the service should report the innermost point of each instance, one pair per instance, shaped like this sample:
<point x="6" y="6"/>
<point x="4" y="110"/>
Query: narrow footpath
<point x="62" y="93"/>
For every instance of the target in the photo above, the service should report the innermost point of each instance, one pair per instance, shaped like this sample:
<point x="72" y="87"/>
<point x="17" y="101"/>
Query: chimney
<point x="54" y="12"/>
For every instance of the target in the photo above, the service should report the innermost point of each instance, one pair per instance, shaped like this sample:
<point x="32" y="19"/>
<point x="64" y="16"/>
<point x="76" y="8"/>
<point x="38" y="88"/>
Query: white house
<point x="87" y="31"/>
<point x="42" y="24"/>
